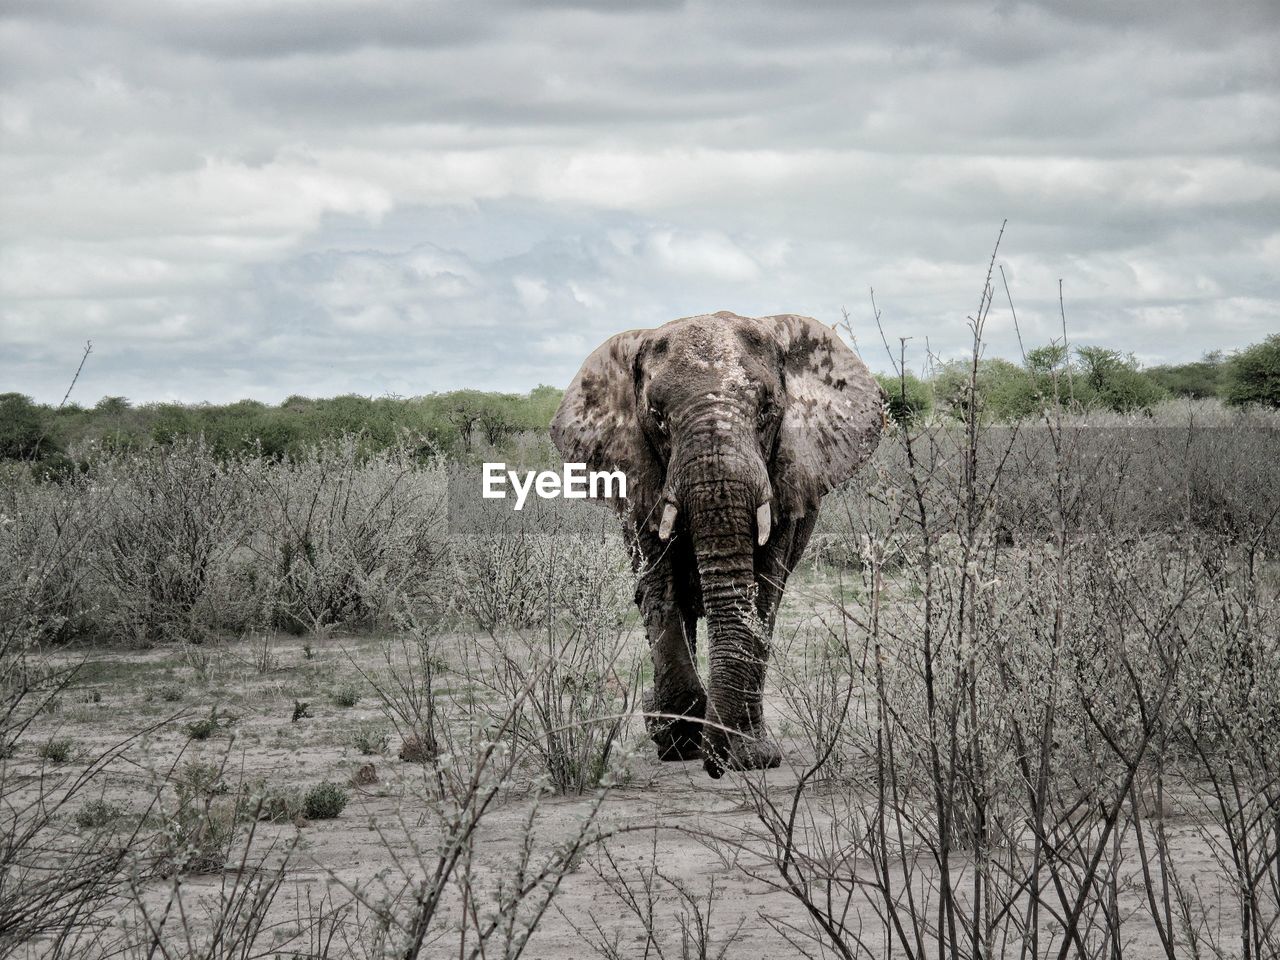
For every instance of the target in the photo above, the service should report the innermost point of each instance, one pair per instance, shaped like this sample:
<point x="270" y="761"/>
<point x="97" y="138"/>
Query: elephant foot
<point x="677" y="737"/>
<point x="738" y="751"/>
<point x="680" y="741"/>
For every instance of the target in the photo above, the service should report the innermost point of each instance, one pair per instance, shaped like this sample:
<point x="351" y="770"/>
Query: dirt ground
<point x="662" y="815"/>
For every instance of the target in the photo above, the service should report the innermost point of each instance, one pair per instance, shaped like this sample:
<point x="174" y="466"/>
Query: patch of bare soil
<point x="681" y="865"/>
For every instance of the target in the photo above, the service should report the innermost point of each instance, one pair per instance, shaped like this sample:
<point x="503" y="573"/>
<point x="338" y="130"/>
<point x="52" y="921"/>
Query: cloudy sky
<point x="242" y="198"/>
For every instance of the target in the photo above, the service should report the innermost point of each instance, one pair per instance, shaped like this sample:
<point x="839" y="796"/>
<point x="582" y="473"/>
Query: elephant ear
<point x="834" y="413"/>
<point x="597" y="423"/>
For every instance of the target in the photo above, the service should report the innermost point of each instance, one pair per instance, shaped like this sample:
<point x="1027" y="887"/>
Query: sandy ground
<point x="656" y="812"/>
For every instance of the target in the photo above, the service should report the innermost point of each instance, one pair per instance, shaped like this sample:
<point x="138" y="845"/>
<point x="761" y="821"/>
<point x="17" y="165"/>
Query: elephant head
<point x="730" y="430"/>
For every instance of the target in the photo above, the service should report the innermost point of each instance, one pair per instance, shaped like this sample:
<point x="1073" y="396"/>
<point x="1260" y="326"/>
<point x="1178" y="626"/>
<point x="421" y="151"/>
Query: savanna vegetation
<point x="452" y="424"/>
<point x="263" y="695"/>
<point x="1086" y="378"/>
<point x="470" y="424"/>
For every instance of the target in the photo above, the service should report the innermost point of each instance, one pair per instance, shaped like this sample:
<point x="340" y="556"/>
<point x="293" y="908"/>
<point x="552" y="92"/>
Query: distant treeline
<point x="1086" y="378"/>
<point x="444" y="424"/>
<point x="464" y="423"/>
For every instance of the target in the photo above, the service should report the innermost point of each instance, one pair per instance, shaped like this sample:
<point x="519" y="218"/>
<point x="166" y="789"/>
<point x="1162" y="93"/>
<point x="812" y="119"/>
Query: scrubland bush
<point x="1004" y="390"/>
<point x="575" y="699"/>
<point x="162" y="524"/>
<point x="204" y="728"/>
<point x="44" y="560"/>
<point x="57" y="749"/>
<point x="1198" y="380"/>
<point x="1138" y="475"/>
<point x="346" y="695"/>
<point x="567" y="661"/>
<point x="177" y="545"/>
<point x="370" y="739"/>
<point x="1253" y="375"/>
<point x="456" y="423"/>
<point x="511" y="574"/>
<point x="343" y="540"/>
<point x="1052" y="664"/>
<point x="272" y="803"/>
<point x="198" y="837"/>
<point x="99" y="813"/>
<point x="1055" y="636"/>
<point x="674" y="918"/>
<point x="909" y="398"/>
<point x="324" y="801"/>
<point x="555" y="608"/>
<point x="21" y="427"/>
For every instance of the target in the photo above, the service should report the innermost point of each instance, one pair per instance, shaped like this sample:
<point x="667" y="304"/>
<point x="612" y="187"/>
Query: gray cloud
<point x="261" y="199"/>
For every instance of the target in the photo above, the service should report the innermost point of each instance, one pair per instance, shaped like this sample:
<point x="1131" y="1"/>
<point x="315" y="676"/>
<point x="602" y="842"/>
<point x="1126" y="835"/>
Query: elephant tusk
<point x="764" y="521"/>
<point x="668" y="521"/>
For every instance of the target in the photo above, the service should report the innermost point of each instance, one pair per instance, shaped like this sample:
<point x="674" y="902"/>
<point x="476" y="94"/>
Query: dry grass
<point x="1027" y="685"/>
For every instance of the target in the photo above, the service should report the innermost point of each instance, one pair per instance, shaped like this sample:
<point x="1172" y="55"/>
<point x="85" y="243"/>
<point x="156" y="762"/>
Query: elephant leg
<point x="773" y="564"/>
<point x="738" y="738"/>
<point x="677" y="702"/>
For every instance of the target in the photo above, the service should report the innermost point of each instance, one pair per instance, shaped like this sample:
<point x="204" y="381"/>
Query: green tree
<point x="1205" y="377"/>
<point x="1047" y="359"/>
<point x="21" y="428"/>
<point x="544" y="401"/>
<point x="500" y="415"/>
<point x="1253" y="374"/>
<point x="1011" y="392"/>
<point x="112" y="406"/>
<point x="171" y="422"/>
<point x="1112" y="380"/>
<point x="910" y="398"/>
<point x="463" y="408"/>
<point x="296" y="403"/>
<point x="1005" y="391"/>
<point x="116" y="425"/>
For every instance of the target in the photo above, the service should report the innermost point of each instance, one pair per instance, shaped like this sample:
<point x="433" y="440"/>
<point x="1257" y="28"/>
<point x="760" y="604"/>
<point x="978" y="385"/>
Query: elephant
<point x="729" y="430"/>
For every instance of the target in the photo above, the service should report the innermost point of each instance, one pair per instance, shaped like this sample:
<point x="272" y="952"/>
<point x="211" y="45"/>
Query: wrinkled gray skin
<point x="712" y="418"/>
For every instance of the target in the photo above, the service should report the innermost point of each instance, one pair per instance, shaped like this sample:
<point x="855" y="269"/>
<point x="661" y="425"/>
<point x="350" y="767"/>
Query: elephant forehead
<point x="713" y="344"/>
<point x="711" y="341"/>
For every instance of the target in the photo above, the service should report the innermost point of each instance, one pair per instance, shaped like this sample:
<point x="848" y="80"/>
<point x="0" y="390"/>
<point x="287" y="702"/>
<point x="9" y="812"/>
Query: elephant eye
<point x="658" y="419"/>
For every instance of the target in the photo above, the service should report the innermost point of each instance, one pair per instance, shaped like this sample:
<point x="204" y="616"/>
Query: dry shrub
<point x="344" y="539"/>
<point x="674" y="919"/>
<point x="163" y="524"/>
<point x="175" y="544"/>
<point x="43" y="558"/>
<point x="514" y="575"/>
<point x="1052" y="633"/>
<point x="1003" y="718"/>
<point x="576" y="694"/>
<point x="558" y="629"/>
<point x="1135" y="474"/>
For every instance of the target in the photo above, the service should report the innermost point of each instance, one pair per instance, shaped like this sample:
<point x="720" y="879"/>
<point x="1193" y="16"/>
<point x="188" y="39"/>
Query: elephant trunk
<point x="720" y="487"/>
<point x="720" y="520"/>
<point x="723" y="517"/>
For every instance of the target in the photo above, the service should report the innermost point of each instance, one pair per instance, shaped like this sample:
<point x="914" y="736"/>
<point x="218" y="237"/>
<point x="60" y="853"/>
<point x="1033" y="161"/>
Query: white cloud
<point x="706" y="254"/>
<point x="231" y="206"/>
<point x="273" y="197"/>
<point x="565" y="345"/>
<point x="532" y="291"/>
